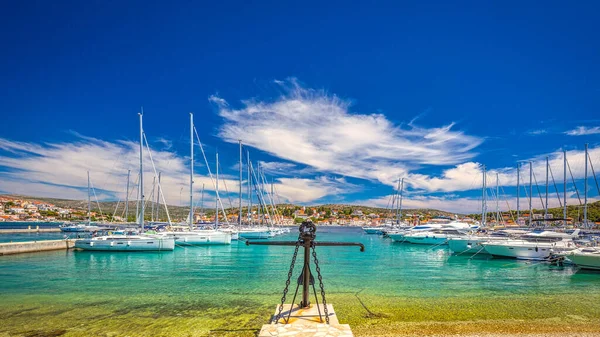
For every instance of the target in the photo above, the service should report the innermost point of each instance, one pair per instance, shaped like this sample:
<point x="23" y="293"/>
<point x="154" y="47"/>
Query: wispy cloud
<point x="301" y="190"/>
<point x="317" y="129"/>
<point x="59" y="169"/>
<point x="583" y="131"/>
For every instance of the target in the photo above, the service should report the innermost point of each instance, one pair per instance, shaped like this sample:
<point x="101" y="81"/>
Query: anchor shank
<point x="271" y="243"/>
<point x="338" y="244"/>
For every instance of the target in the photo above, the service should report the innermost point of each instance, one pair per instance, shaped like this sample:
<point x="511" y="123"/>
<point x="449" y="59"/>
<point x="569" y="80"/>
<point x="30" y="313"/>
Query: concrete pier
<point x="10" y="248"/>
<point x="305" y="323"/>
<point x="28" y="230"/>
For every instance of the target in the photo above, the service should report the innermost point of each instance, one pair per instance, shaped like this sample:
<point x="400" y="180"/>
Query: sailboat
<point x="197" y="237"/>
<point x="68" y="227"/>
<point x="130" y="241"/>
<point x="533" y="246"/>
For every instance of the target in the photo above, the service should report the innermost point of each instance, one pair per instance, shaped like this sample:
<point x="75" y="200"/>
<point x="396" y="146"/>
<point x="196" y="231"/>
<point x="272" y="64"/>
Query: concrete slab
<point x="305" y="323"/>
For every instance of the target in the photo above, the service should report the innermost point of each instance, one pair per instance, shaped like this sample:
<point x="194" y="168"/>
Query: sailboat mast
<point x="497" y="198"/>
<point x="273" y="199"/>
<point x="530" y="192"/>
<point x="217" y="194"/>
<point x="397" y="204"/>
<point x="89" y="201"/>
<point x="240" y="193"/>
<point x="191" y="170"/>
<point x="141" y="188"/>
<point x="249" y="191"/>
<point x="400" y="203"/>
<point x="202" y="200"/>
<point x="518" y="192"/>
<point x="565" y="187"/>
<point x="585" y="188"/>
<point x="546" y="209"/>
<point x="483" y="215"/>
<point x="158" y="198"/>
<point x="127" y="198"/>
<point x="152" y="196"/>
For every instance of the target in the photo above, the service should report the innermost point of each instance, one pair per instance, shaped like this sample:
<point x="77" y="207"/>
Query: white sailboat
<point x="435" y="237"/>
<point x="130" y="241"/>
<point x="81" y="227"/>
<point x="197" y="237"/>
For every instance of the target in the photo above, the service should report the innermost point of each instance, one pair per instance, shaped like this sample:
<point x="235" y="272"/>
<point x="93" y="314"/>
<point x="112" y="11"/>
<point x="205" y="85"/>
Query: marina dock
<point x="10" y="248"/>
<point x="305" y="323"/>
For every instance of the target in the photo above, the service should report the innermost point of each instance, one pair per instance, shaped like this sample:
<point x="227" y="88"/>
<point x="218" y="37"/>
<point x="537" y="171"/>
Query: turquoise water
<point x="226" y="276"/>
<point x="384" y="268"/>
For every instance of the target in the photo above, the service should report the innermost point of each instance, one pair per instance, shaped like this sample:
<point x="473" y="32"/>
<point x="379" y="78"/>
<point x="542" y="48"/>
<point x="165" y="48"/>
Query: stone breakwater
<point x="10" y="248"/>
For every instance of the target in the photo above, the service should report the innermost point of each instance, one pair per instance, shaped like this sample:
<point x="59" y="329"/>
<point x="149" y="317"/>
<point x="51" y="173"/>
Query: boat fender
<point x="536" y="249"/>
<point x="91" y="244"/>
<point x="129" y="243"/>
<point x="112" y="243"/>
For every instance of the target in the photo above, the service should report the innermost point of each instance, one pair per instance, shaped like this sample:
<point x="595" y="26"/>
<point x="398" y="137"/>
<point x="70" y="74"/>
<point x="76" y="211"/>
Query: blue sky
<point x="338" y="99"/>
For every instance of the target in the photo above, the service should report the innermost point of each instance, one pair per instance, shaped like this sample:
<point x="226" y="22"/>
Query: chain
<point x="318" y="269"/>
<point x="287" y="282"/>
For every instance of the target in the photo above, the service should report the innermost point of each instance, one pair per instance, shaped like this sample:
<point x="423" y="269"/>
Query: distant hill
<point x="574" y="212"/>
<point x="181" y="212"/>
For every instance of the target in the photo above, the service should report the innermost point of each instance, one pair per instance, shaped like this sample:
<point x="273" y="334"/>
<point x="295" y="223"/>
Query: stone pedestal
<point x="305" y="322"/>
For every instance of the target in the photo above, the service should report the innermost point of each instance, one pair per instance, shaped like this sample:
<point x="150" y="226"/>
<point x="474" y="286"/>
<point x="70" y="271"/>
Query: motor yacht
<point x="586" y="257"/>
<point x="533" y="246"/>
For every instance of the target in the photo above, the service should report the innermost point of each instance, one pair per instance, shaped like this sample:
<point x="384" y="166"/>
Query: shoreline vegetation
<point x="243" y="315"/>
<point x="327" y="214"/>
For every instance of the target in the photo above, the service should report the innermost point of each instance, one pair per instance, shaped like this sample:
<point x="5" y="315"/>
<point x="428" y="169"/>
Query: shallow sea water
<point x="390" y="289"/>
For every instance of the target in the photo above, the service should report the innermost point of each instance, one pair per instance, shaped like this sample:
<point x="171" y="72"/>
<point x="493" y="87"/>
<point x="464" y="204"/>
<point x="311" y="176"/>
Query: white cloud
<point x="469" y="176"/>
<point x="469" y="205"/>
<point x="583" y="131"/>
<point x="60" y="170"/>
<point x="319" y="130"/>
<point x="300" y="190"/>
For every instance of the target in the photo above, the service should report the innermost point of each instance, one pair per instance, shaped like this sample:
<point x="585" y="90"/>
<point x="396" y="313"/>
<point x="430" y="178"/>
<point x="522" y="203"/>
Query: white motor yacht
<point x="399" y="235"/>
<point x="586" y="257"/>
<point x="471" y="244"/>
<point x="532" y="246"/>
<point x="434" y="237"/>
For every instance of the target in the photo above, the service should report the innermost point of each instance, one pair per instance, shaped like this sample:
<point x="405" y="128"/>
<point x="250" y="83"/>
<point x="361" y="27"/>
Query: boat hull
<point x="204" y="239"/>
<point x="586" y="261"/>
<point x="255" y="235"/>
<point x="465" y="246"/>
<point x="397" y="237"/>
<point x="376" y="231"/>
<point x="518" y="252"/>
<point x="122" y="245"/>
<point x="427" y="240"/>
